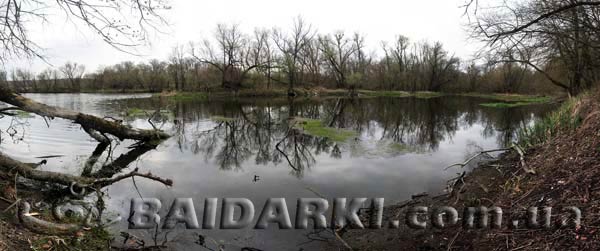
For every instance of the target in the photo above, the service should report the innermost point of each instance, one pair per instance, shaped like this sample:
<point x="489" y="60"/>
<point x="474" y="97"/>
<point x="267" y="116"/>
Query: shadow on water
<point x="258" y="148"/>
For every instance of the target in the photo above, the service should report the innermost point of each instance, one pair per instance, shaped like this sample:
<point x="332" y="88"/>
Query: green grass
<point x="316" y="128"/>
<point x="550" y="126"/>
<point x="510" y="100"/>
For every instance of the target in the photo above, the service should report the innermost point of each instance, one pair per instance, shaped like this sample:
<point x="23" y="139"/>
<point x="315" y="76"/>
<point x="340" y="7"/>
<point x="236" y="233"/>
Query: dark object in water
<point x="416" y="196"/>
<point x="50" y="157"/>
<point x="250" y="249"/>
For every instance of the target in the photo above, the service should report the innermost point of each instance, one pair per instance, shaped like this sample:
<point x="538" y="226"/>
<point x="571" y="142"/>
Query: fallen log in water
<point x="89" y="122"/>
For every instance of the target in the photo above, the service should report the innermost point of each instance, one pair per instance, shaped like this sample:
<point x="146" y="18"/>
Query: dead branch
<point x="514" y="147"/>
<point x="134" y="173"/>
<point x="477" y="155"/>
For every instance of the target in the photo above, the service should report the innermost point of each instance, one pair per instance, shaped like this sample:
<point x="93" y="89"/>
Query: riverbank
<point x="497" y="100"/>
<point x="561" y="171"/>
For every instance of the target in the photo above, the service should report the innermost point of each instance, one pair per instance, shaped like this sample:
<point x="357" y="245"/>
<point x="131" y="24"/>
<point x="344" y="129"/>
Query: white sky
<point x="432" y="20"/>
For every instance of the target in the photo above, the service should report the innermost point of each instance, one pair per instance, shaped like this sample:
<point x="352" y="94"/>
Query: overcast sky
<point x="432" y="20"/>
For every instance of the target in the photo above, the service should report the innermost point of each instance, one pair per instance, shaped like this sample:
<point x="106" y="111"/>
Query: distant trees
<point x="73" y="72"/>
<point x="301" y="57"/>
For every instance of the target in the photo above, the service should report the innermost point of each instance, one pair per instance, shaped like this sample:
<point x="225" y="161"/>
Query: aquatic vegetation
<point x="510" y="100"/>
<point x="550" y="126"/>
<point x="316" y="128"/>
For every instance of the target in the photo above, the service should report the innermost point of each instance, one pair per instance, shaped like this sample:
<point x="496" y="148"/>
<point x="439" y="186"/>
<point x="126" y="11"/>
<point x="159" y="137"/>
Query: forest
<point x="557" y="54"/>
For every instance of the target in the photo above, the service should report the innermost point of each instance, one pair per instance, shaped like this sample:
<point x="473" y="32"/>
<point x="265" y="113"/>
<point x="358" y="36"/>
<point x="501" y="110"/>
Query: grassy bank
<point x="563" y="150"/>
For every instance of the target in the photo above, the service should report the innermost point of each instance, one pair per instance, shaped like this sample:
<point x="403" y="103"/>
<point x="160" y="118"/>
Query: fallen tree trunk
<point x="88" y="122"/>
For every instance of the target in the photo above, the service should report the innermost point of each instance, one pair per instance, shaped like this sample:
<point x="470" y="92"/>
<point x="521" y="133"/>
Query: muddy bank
<point x="567" y="174"/>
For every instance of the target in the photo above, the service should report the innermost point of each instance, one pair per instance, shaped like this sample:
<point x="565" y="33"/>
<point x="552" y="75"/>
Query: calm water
<point x="402" y="147"/>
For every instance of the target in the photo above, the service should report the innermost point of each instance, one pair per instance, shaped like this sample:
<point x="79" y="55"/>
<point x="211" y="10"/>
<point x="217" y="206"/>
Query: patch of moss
<point x="316" y="128"/>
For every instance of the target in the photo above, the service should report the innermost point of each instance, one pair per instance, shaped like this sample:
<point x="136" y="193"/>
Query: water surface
<point x="245" y="148"/>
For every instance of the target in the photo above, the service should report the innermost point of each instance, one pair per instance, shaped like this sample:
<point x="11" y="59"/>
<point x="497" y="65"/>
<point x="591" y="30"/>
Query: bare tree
<point x="235" y="56"/>
<point x="104" y="18"/>
<point x="337" y="51"/>
<point x="291" y="47"/>
<point x="177" y="67"/>
<point x="73" y="72"/>
<point x="441" y="68"/>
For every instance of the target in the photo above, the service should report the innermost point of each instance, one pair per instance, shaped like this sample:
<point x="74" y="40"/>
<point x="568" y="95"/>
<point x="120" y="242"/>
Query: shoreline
<point x="558" y="173"/>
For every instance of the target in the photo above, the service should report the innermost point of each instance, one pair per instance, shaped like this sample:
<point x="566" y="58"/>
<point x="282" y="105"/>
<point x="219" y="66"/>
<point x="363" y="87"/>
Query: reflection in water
<point x="251" y="148"/>
<point x="264" y="130"/>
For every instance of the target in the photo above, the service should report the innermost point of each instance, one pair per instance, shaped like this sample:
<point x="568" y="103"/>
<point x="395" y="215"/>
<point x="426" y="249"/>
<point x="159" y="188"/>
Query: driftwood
<point x="475" y="156"/>
<point x="514" y="147"/>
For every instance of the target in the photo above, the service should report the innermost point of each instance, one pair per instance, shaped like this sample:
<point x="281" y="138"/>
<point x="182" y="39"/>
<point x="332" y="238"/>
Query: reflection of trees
<point x="293" y="147"/>
<point x="264" y="131"/>
<point x="234" y="149"/>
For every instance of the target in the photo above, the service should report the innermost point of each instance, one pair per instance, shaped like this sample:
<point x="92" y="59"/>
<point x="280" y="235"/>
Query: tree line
<point x="301" y="57"/>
